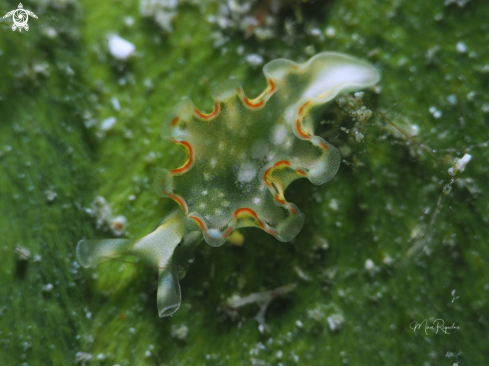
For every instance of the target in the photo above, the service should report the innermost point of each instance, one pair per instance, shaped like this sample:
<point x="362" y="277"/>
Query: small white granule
<point x="459" y="165"/>
<point x="369" y="265"/>
<point x="120" y="48"/>
<point x="461" y="47"/>
<point x="435" y="112"/>
<point x="254" y="59"/>
<point x="47" y="288"/>
<point x="115" y="103"/>
<point x="330" y="32"/>
<point x="108" y="123"/>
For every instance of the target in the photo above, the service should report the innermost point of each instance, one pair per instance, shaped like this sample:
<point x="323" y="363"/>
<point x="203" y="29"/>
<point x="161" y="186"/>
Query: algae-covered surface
<point x="392" y="240"/>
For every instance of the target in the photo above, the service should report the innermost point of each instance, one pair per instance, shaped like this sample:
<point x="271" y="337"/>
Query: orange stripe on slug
<point x="190" y="160"/>
<point x="200" y="223"/>
<point x="210" y="115"/>
<point x="301" y="109"/>
<point x="174" y="121"/>
<point x="181" y="202"/>
<point x="292" y="210"/>
<point x="249" y="211"/>
<point x="276" y="165"/>
<point x="299" y="129"/>
<point x="272" y="232"/>
<point x="323" y="145"/>
<point x="272" y="85"/>
<point x="256" y="105"/>
<point x="301" y="172"/>
<point x="227" y="232"/>
<point x="279" y="200"/>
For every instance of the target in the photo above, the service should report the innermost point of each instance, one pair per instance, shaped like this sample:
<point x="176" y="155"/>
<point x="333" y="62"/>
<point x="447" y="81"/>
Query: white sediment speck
<point x="369" y="265"/>
<point x="435" y="112"/>
<point x="330" y="32"/>
<point x="115" y="103"/>
<point x="459" y="165"/>
<point x="50" y="195"/>
<point x="254" y="60"/>
<point x="120" y="48"/>
<point x="108" y="123"/>
<point x="452" y="99"/>
<point x="47" y="288"/>
<point x="333" y="204"/>
<point x="461" y="47"/>
<point x="335" y="322"/>
<point x="179" y="331"/>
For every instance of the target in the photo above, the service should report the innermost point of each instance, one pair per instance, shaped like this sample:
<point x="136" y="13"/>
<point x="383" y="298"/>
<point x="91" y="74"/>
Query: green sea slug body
<point x="241" y="158"/>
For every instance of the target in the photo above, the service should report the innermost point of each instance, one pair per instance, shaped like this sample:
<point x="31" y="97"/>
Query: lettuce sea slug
<point x="241" y="158"/>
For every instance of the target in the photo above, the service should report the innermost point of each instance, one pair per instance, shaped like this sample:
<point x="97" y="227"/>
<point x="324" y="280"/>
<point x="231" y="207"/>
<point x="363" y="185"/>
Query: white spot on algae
<point x="254" y="59"/>
<point x="435" y="112"/>
<point x="120" y="48"/>
<point x="459" y="165"/>
<point x="108" y="123"/>
<point x="179" y="331"/>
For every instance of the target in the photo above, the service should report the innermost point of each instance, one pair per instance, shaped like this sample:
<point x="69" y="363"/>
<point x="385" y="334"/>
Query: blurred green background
<point x="385" y="243"/>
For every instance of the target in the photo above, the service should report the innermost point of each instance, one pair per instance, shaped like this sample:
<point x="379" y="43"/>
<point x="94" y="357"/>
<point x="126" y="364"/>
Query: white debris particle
<point x="179" y="331"/>
<point x="471" y="95"/>
<point x="299" y="324"/>
<point x="359" y="136"/>
<point x="254" y="59"/>
<point x="333" y="204"/>
<point x="162" y="11"/>
<point x="88" y="315"/>
<point x="369" y="265"/>
<point x="460" y="3"/>
<point x="301" y="274"/>
<point x="118" y="225"/>
<point x="279" y="354"/>
<point x="452" y="99"/>
<point x="459" y="165"/>
<point x="461" y="47"/>
<point x="50" y="195"/>
<point x="330" y="32"/>
<point x="108" y="123"/>
<point x="120" y="48"/>
<point x="335" y="322"/>
<point x="262" y="299"/>
<point x="100" y="357"/>
<point x="435" y="112"/>
<point x="47" y="288"/>
<point x="115" y="104"/>
<point x="24" y="253"/>
<point x="129" y="21"/>
<point x="50" y="32"/>
<point x="82" y="357"/>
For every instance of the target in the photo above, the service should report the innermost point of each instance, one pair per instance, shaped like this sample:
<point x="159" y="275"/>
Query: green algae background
<point x="401" y="234"/>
